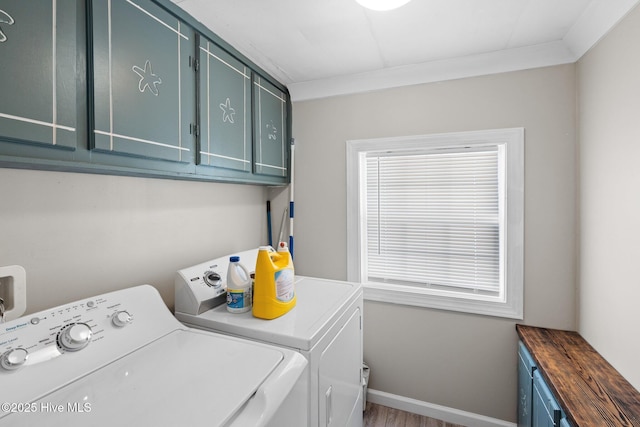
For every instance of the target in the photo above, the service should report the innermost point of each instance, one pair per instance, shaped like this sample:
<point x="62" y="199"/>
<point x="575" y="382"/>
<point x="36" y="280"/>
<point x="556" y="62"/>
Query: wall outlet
<point x="13" y="290"/>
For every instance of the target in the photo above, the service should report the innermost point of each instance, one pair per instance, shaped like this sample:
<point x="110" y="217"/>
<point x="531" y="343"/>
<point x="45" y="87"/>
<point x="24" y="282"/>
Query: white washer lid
<point x="319" y="304"/>
<point x="185" y="378"/>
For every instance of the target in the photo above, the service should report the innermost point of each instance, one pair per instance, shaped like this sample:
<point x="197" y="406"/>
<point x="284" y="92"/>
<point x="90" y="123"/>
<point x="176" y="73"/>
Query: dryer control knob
<point x="121" y="319"/>
<point x="75" y="336"/>
<point x="212" y="279"/>
<point x="14" y="358"/>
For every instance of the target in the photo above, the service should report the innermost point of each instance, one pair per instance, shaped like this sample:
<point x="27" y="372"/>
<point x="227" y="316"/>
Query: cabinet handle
<point x="329" y="405"/>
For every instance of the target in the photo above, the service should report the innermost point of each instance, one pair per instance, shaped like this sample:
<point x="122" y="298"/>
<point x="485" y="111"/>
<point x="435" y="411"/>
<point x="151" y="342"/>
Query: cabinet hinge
<point x="194" y="130"/>
<point x="194" y="63"/>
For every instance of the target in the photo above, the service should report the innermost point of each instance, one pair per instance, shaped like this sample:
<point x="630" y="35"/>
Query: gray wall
<point x="78" y="235"/>
<point x="609" y="107"/>
<point x="461" y="361"/>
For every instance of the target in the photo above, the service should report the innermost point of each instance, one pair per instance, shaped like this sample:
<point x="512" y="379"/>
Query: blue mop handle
<point x="293" y="146"/>
<point x="269" y="223"/>
<point x="291" y="224"/>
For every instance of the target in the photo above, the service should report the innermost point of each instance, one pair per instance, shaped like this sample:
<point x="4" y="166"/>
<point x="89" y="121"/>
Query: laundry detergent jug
<point x="274" y="289"/>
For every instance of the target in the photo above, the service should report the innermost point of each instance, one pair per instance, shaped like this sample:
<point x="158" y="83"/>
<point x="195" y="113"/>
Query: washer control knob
<point x="121" y="319"/>
<point x="14" y="358"/>
<point x="74" y="337"/>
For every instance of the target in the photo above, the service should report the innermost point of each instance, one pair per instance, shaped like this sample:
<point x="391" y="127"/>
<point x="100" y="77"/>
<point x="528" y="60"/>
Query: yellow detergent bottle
<point x="274" y="290"/>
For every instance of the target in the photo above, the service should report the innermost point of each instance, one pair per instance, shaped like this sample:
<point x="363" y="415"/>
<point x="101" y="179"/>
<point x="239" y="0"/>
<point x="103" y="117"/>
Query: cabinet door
<point x="340" y="374"/>
<point x="143" y="93"/>
<point x="38" y="72"/>
<point x="271" y="146"/>
<point x="526" y="366"/>
<point x="225" y="111"/>
<point x="546" y="411"/>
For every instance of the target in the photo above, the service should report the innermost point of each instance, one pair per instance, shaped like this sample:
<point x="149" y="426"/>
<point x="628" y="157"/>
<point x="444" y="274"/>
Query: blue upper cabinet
<point x="243" y="121"/>
<point x="271" y="142"/>
<point x="165" y="97"/>
<point x="143" y="84"/>
<point x="38" y="74"/>
<point x="225" y="139"/>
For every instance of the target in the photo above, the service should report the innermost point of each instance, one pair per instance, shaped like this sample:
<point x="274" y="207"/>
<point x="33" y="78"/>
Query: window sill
<point x="394" y="294"/>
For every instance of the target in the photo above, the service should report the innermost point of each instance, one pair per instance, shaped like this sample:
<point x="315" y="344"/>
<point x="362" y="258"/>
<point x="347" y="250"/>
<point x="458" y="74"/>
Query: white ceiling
<point x="322" y="48"/>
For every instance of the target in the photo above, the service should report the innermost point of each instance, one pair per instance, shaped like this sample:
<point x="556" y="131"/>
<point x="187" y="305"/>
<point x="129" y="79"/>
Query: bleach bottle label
<point x="238" y="298"/>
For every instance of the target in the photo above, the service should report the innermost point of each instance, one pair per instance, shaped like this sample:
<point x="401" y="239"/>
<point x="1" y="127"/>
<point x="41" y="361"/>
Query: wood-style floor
<point x="382" y="416"/>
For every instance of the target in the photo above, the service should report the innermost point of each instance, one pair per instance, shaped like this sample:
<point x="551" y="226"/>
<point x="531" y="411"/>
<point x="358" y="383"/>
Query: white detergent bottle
<point x="238" y="287"/>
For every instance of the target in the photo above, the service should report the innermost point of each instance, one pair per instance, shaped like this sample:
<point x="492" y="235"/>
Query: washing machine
<point x="325" y="327"/>
<point x="123" y="359"/>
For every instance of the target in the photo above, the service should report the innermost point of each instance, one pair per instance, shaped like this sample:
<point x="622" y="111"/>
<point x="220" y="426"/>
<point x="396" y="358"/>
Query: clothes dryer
<point x="325" y="327"/>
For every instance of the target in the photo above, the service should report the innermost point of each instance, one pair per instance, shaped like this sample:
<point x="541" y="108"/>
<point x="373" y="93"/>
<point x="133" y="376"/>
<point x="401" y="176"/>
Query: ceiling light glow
<point x="382" y="4"/>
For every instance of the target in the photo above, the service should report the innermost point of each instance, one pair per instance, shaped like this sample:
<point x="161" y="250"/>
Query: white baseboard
<point x="432" y="410"/>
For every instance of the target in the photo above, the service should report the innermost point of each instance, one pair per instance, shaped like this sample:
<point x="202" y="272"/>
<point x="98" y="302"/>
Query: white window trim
<point x="512" y="141"/>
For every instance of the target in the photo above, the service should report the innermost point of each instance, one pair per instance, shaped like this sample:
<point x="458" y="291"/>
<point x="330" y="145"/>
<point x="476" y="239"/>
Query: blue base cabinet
<point x="526" y="367"/>
<point x="537" y="406"/>
<point x="546" y="411"/>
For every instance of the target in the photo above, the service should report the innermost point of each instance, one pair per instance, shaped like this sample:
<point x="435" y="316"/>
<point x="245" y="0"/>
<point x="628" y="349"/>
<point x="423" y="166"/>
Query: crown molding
<point x="554" y="53"/>
<point x="600" y="17"/>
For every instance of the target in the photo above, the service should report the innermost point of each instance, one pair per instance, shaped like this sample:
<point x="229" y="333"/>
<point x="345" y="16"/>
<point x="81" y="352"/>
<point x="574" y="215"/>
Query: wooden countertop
<point x="588" y="388"/>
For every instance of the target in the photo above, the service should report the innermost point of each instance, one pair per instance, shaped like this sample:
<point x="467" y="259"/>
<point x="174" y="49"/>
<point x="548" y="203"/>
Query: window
<point x="437" y="220"/>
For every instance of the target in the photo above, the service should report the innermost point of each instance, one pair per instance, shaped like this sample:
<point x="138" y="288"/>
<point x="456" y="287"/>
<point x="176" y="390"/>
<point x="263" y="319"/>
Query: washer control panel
<point x="51" y="333"/>
<point x="56" y="346"/>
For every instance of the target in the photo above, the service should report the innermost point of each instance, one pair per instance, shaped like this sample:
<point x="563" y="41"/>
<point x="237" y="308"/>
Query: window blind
<point x="433" y="219"/>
